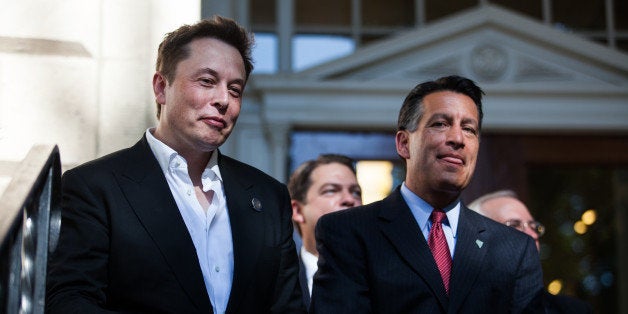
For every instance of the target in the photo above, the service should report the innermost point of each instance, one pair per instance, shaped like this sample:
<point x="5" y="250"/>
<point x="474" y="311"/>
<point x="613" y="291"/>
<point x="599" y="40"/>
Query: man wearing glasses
<point x="504" y="206"/>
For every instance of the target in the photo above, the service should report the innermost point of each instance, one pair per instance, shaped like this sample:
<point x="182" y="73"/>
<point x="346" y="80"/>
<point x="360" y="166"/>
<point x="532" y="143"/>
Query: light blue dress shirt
<point x="421" y="211"/>
<point x="210" y="229"/>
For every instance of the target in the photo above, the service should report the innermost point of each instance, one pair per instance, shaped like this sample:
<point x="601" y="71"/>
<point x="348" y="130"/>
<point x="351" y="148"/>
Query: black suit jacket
<point x="124" y="245"/>
<point x="374" y="259"/>
<point x="305" y="290"/>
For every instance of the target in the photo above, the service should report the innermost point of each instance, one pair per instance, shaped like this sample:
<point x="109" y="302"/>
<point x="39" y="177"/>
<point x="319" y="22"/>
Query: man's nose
<point x="348" y="199"/>
<point x="455" y="137"/>
<point x="220" y="97"/>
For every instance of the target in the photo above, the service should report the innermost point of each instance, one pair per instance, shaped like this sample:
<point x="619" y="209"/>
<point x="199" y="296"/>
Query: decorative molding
<point x="450" y="64"/>
<point x="532" y="70"/>
<point x="489" y="62"/>
<point x="40" y="46"/>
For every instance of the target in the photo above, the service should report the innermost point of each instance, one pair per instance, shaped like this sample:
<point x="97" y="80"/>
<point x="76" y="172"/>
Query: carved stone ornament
<point x="488" y="62"/>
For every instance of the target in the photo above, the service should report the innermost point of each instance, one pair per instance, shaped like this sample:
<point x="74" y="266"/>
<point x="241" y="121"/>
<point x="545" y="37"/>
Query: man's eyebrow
<point x="440" y="116"/>
<point x="209" y="71"/>
<point x="470" y="120"/>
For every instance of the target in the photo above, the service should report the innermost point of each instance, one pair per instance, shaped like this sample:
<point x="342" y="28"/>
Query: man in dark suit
<point x="420" y="250"/>
<point x="505" y="207"/>
<point x="317" y="187"/>
<point x="170" y="225"/>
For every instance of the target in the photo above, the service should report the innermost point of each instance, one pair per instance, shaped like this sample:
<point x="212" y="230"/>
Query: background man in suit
<point x="395" y="255"/>
<point x="504" y="207"/>
<point x="170" y="225"/>
<point x="317" y="187"/>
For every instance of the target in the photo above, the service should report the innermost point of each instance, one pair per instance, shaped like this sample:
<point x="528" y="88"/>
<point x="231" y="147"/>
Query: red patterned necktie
<point x="438" y="244"/>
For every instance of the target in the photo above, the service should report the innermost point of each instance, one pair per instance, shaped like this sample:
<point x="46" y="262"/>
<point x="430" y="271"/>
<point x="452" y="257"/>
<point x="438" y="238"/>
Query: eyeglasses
<point x="536" y="226"/>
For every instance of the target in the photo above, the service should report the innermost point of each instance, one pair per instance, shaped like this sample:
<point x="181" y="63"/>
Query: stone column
<point x="48" y="77"/>
<point x="131" y="33"/>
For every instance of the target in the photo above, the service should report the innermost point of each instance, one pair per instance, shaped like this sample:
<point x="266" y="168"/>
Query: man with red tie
<point x="420" y="250"/>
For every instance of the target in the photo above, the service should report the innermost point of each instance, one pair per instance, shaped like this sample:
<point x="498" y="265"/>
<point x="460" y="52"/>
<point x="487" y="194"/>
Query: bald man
<point x="504" y="207"/>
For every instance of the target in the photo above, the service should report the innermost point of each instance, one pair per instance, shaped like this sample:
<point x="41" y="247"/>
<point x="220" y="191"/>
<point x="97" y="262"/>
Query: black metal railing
<point x="30" y="218"/>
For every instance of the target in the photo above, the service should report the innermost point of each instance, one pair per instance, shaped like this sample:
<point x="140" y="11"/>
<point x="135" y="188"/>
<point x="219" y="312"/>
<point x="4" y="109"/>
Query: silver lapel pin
<point x="479" y="243"/>
<point x="257" y="205"/>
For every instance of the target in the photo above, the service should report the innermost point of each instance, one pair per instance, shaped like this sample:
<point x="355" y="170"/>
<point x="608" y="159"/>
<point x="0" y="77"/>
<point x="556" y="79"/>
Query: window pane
<point x="265" y="53"/>
<point x="311" y="50"/>
<point x="436" y="9"/>
<point x="571" y="14"/>
<point x="262" y="12"/>
<point x="621" y="17"/>
<point x="323" y="12"/>
<point x="392" y="13"/>
<point x="530" y="8"/>
<point x="305" y="145"/>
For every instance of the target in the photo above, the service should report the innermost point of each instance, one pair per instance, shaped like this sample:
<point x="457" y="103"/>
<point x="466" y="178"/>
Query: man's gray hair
<point x="477" y="205"/>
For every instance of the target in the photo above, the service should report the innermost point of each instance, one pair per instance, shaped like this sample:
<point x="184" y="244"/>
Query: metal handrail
<point x="30" y="219"/>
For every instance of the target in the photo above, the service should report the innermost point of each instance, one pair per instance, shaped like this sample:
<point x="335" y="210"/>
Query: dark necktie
<point x="438" y="244"/>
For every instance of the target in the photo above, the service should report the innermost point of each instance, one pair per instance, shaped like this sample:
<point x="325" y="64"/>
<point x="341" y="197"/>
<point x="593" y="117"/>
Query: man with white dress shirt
<point x="170" y="225"/>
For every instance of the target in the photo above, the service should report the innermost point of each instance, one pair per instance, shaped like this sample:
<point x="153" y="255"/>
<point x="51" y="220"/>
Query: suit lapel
<point x="147" y="191"/>
<point x="471" y="247"/>
<point x="399" y="226"/>
<point x="246" y="228"/>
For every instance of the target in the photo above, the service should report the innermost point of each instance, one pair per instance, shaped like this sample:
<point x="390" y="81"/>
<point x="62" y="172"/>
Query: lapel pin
<point x="257" y="205"/>
<point x="479" y="243"/>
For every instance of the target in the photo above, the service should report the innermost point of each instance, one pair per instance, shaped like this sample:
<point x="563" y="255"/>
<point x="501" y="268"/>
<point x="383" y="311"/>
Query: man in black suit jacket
<point x="317" y="187"/>
<point x="170" y="225"/>
<point x="377" y="258"/>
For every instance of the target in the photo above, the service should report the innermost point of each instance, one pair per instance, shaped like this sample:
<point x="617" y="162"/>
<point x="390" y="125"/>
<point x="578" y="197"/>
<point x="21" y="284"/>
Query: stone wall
<point x="78" y="73"/>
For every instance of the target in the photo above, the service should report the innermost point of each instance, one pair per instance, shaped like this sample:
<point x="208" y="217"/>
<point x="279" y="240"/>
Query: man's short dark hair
<point x="301" y="179"/>
<point x="175" y="46"/>
<point x="412" y="108"/>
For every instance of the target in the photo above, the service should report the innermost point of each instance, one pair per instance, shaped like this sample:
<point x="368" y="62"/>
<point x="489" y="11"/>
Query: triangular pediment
<point x="536" y="78"/>
<point x="488" y="44"/>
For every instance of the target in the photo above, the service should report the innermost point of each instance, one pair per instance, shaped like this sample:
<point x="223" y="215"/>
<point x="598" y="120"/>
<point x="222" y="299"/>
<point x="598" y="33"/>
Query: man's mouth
<point x="214" y="122"/>
<point x="453" y="159"/>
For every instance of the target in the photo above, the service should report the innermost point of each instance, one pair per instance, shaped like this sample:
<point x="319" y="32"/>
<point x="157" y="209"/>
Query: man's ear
<point x="401" y="141"/>
<point x="159" y="88"/>
<point x="297" y="215"/>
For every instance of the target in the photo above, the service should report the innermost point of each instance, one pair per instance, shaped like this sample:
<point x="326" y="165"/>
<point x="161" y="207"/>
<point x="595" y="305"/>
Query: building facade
<point x="78" y="73"/>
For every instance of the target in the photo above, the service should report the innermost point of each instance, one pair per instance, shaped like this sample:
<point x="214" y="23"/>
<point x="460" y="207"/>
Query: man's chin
<point x="452" y="187"/>
<point x="214" y="141"/>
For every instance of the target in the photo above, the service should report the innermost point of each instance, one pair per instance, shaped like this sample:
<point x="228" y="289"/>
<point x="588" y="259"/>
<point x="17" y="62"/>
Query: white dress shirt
<point x="421" y="211"/>
<point x="210" y="229"/>
<point x="310" y="261"/>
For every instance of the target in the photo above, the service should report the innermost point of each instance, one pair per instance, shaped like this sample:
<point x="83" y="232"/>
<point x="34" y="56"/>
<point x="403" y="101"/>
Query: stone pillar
<point x="48" y="77"/>
<point x="280" y="140"/>
<point x="131" y="33"/>
<point x="78" y="73"/>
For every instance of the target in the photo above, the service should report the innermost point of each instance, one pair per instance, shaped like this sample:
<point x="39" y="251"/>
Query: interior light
<point x="589" y="217"/>
<point x="580" y="227"/>
<point x="555" y="286"/>
<point x="375" y="179"/>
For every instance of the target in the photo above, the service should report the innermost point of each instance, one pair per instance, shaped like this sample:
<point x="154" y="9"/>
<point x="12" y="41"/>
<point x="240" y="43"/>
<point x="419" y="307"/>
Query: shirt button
<point x="189" y="192"/>
<point x="217" y="269"/>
